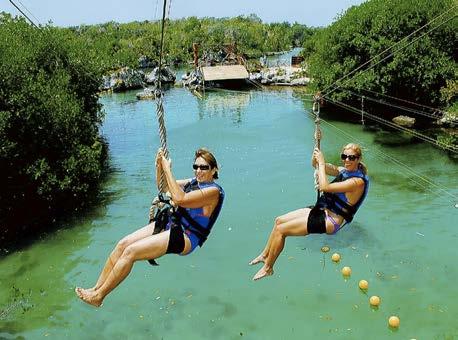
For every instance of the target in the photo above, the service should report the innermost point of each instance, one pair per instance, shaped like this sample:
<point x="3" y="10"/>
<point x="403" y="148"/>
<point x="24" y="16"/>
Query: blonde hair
<point x="209" y="158"/>
<point x="357" y="149"/>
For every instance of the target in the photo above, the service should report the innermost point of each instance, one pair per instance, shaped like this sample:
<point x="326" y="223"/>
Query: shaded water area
<point x="402" y="241"/>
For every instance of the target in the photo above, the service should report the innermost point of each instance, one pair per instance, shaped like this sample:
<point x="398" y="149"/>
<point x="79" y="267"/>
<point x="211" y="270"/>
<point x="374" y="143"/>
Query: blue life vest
<point x="338" y="202"/>
<point x="193" y="219"/>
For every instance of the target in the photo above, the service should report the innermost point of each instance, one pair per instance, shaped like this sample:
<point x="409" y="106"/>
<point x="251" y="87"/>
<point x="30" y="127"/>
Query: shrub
<point x="51" y="153"/>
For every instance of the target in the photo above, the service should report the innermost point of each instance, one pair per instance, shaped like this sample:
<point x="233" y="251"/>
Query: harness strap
<point x="338" y="205"/>
<point x="193" y="226"/>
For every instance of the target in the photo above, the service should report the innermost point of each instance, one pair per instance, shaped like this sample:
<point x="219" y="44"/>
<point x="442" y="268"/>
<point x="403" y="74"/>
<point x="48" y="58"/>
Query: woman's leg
<point x="279" y="220"/>
<point x="151" y="247"/>
<point x="119" y="249"/>
<point x="292" y="227"/>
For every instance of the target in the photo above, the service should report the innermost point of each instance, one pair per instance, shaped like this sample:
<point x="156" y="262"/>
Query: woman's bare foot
<point x="263" y="272"/>
<point x="88" y="296"/>
<point x="260" y="258"/>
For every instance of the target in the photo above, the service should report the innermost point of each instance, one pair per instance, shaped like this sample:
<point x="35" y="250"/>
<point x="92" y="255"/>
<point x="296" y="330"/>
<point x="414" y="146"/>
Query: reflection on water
<point x="224" y="103"/>
<point x="402" y="240"/>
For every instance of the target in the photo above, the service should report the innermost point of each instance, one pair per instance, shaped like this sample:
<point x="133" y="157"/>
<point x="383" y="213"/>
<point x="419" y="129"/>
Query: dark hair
<point x="209" y="158"/>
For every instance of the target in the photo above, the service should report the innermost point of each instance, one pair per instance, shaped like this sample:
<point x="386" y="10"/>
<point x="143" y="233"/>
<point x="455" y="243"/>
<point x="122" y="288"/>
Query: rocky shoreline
<point x="126" y="79"/>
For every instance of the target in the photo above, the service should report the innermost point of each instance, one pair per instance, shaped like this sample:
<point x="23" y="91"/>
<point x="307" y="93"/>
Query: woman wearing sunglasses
<point x="337" y="204"/>
<point x="198" y="202"/>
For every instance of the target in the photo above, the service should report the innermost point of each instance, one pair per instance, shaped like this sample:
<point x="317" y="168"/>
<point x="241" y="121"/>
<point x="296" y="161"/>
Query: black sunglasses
<point x="201" y="167"/>
<point x="349" y="157"/>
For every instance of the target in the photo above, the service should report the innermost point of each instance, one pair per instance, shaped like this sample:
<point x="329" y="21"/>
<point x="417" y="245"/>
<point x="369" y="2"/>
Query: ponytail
<point x="362" y="167"/>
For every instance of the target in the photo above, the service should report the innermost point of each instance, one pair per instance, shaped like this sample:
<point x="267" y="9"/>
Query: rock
<point x="256" y="76"/>
<point x="448" y="120"/>
<point x="404" y="121"/>
<point x="147" y="93"/>
<point x="167" y="76"/>
<point x="146" y="62"/>
<point x="193" y="79"/>
<point x="281" y="76"/>
<point x="300" y="81"/>
<point x="122" y="79"/>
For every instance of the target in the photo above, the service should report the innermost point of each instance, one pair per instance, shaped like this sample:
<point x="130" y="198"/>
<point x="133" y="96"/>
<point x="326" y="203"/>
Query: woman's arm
<point x="193" y="199"/>
<point x="331" y="169"/>
<point x="183" y="182"/>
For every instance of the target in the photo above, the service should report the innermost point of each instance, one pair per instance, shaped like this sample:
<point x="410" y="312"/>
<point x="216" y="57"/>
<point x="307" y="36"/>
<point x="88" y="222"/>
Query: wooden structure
<point x="224" y="72"/>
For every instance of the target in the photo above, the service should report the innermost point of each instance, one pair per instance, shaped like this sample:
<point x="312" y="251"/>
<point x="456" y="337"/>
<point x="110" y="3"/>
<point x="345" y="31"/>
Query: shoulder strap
<point x="195" y="226"/>
<point x="337" y="204"/>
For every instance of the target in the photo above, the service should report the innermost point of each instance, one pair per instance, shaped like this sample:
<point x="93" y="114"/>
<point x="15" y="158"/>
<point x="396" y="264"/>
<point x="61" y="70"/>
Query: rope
<point x="317" y="136"/>
<point x="159" y="104"/>
<point x="161" y="45"/>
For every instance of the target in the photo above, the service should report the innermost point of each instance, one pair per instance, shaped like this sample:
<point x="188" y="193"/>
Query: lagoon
<point x="402" y="240"/>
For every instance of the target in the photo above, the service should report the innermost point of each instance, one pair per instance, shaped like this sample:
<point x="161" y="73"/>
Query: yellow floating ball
<point x="325" y="249"/>
<point x="363" y="284"/>
<point x="335" y="257"/>
<point x="394" y="321"/>
<point x="374" y="301"/>
<point x="346" y="271"/>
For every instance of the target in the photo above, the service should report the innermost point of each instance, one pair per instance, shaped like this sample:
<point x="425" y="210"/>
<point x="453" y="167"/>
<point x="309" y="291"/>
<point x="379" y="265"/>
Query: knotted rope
<point x="159" y="94"/>
<point x="317" y="135"/>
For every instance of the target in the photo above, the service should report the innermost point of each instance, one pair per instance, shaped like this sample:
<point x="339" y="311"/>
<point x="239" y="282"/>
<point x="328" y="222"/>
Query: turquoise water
<point x="402" y="240"/>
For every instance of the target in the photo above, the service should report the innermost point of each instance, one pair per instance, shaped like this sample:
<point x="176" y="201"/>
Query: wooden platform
<point x="226" y="72"/>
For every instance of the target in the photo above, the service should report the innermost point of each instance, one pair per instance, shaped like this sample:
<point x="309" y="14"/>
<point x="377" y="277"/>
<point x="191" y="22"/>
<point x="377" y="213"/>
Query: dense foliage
<point x="419" y="71"/>
<point x="122" y="44"/>
<point x="51" y="154"/>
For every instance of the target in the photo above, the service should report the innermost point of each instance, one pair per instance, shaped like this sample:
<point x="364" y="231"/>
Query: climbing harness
<point x="337" y="202"/>
<point x="190" y="220"/>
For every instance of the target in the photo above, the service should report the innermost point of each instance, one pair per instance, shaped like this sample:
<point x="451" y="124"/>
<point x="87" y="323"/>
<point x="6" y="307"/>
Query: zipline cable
<point x="168" y="12"/>
<point x="389" y="48"/>
<point x="36" y="19"/>
<point x="404" y="108"/>
<point x="155" y="10"/>
<point x="393" y="125"/>
<point x="435" y="110"/>
<point x="25" y="15"/>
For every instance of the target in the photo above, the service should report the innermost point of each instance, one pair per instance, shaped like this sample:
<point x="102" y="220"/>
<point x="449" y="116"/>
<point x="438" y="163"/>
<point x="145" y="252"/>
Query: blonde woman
<point x="336" y="206"/>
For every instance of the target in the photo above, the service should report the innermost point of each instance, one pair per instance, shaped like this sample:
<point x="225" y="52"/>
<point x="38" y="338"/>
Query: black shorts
<point x="316" y="222"/>
<point x="176" y="240"/>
